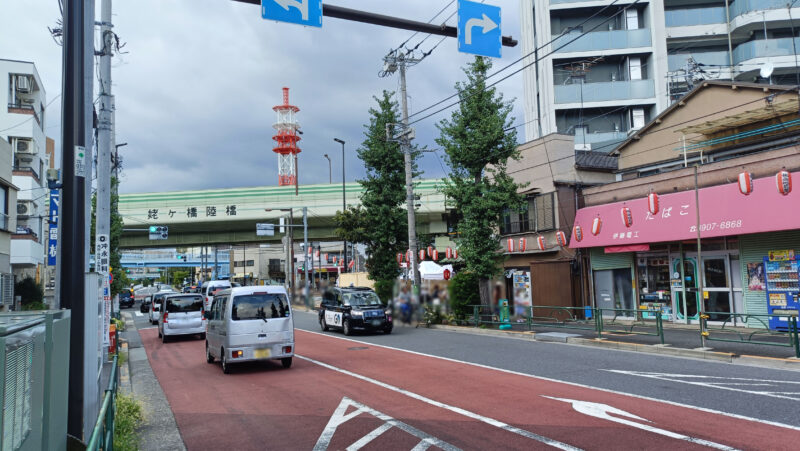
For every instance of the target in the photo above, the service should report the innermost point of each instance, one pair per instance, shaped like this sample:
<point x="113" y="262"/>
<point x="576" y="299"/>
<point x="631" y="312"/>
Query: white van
<point x="248" y="324"/>
<point x="211" y="287"/>
<point x="182" y="314"/>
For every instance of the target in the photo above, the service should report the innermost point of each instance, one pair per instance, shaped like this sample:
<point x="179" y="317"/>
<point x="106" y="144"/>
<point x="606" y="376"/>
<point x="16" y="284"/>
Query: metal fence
<point x="763" y="335"/>
<point x="103" y="434"/>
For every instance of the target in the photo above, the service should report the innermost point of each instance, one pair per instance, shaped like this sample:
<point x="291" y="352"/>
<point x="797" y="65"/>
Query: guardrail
<point x="102" y="437"/>
<point x="628" y="320"/>
<point x="759" y="336"/>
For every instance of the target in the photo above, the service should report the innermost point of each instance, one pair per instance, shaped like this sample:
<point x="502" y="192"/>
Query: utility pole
<point x="344" y="202"/>
<point x="392" y="62"/>
<point x="305" y="254"/>
<point x="104" y="132"/>
<point x="71" y="280"/>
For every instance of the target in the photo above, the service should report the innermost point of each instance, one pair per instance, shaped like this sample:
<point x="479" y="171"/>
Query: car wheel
<point x="225" y="367"/>
<point x="387" y="331"/>
<point x="323" y="325"/>
<point x="164" y="338"/>
<point x="159" y="333"/>
<point x="203" y="336"/>
<point x="209" y="357"/>
<point x="346" y="327"/>
<point x="286" y="362"/>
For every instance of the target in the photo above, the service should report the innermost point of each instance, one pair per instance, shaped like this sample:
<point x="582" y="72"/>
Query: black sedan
<point x="145" y="307"/>
<point x="354" y="309"/>
<point x="126" y="299"/>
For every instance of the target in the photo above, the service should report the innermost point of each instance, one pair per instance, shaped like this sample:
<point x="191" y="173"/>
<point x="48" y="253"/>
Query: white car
<point x="155" y="305"/>
<point x="210" y="288"/>
<point x="182" y="314"/>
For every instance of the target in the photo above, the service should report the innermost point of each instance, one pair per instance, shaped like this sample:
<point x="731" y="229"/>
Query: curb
<point x="726" y="357"/>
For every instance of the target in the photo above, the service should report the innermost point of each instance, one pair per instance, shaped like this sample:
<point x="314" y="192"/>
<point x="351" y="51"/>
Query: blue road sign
<point x="479" y="29"/>
<point x="52" y="239"/>
<point x="302" y="12"/>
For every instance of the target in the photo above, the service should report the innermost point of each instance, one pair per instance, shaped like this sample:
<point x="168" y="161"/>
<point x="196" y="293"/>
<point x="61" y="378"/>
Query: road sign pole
<point x="306" y="285"/>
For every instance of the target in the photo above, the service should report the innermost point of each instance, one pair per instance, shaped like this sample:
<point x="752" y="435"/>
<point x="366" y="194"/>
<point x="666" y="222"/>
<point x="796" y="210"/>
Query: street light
<point x="344" y="206"/>
<point x="330" y="176"/>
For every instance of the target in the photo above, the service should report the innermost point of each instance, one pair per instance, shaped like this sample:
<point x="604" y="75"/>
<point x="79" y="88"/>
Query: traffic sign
<point x="265" y="229"/>
<point x="301" y="12"/>
<point x="479" y="29"/>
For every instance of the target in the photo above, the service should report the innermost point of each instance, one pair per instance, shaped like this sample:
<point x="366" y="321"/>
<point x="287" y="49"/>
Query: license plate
<point x="261" y="353"/>
<point x="376" y="322"/>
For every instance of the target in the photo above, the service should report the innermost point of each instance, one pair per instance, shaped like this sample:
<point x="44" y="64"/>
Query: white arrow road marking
<point x="719" y="382"/>
<point x="458" y="410"/>
<point x="338" y="418"/>
<point x="301" y="6"/>
<point x="602" y="411"/>
<point x="486" y="23"/>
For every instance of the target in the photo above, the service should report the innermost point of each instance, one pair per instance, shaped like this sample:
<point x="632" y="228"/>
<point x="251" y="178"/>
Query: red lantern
<point x="455" y="254"/>
<point x="784" y="181"/>
<point x="351" y="264"/>
<point x="510" y="243"/>
<point x="334" y="260"/>
<point x="448" y="253"/>
<point x="577" y="233"/>
<point x="446" y="274"/>
<point x="316" y="253"/>
<point x="523" y="244"/>
<point x="435" y="255"/>
<point x="430" y="251"/>
<point x="561" y="237"/>
<point x="541" y="243"/>
<point x="596" y="225"/>
<point x="325" y="258"/>
<point x="652" y="203"/>
<point x="399" y="258"/>
<point x="627" y="217"/>
<point x="421" y="254"/>
<point x="745" y="183"/>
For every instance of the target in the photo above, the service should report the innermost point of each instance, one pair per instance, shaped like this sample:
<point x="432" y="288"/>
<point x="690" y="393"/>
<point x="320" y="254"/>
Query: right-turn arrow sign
<point x="479" y="29"/>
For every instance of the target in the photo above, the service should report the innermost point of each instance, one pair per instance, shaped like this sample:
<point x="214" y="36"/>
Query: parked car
<point x="182" y="314"/>
<point x="145" y="292"/>
<point x="250" y="324"/>
<point x="210" y="288"/>
<point x="126" y="299"/>
<point x="155" y="306"/>
<point x="354" y="308"/>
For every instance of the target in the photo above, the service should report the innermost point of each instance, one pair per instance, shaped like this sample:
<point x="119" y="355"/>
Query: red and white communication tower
<point x="286" y="141"/>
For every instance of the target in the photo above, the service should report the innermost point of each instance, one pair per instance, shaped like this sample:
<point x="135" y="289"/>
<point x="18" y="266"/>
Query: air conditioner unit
<point x="29" y="101"/>
<point x="25" y="208"/>
<point x="24" y="146"/>
<point x="23" y="83"/>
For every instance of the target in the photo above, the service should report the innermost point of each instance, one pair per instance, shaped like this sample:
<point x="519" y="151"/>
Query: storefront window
<point x="714" y="272"/>
<point x="654" y="279"/>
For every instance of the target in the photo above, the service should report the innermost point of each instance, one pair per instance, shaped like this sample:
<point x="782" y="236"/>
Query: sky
<point x="195" y="87"/>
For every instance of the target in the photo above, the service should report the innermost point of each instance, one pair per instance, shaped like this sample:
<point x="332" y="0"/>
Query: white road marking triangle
<point x="339" y="417"/>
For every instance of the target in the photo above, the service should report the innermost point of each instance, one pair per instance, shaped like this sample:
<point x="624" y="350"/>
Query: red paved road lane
<point x="342" y="394"/>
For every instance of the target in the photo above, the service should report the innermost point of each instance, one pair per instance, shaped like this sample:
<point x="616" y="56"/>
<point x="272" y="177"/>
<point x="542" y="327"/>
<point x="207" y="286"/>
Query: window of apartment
<point x="242" y="263"/>
<point x="537" y="215"/>
<point x="544" y="211"/>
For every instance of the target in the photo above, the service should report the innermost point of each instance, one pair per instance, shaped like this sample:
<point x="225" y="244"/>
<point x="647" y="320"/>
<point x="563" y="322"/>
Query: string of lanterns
<point x="430" y="252"/>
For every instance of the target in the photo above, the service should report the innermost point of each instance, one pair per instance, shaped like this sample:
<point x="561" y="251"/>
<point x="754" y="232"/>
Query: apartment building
<point x="22" y="125"/>
<point x="8" y="203"/>
<point x="613" y="66"/>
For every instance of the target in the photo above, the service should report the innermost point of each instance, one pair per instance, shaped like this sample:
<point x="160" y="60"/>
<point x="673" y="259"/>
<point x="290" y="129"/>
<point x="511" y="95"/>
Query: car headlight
<point x="387" y="312"/>
<point x="357" y="313"/>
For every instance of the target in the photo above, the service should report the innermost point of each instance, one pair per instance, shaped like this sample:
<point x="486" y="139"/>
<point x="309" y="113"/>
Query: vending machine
<point x="782" y="282"/>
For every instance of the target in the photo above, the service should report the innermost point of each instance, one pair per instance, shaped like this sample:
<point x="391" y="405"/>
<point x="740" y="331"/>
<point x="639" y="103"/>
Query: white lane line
<point x="458" y="410"/>
<point x="678" y="379"/>
<point x="138" y="313"/>
<point x="574" y="384"/>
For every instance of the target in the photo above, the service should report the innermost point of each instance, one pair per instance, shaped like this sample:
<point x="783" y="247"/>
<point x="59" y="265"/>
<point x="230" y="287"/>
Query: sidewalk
<point x="159" y="431"/>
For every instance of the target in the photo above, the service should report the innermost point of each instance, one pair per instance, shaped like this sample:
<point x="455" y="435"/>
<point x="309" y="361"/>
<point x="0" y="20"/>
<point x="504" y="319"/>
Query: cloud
<point x="195" y="92"/>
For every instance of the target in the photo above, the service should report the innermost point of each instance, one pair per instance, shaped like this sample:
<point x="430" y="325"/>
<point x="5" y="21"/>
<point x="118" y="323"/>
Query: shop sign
<point x="781" y="255"/>
<point x="777" y="299"/>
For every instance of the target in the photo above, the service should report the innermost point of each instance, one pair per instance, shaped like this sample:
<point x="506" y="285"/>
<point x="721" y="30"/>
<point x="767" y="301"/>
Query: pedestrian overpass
<point x="230" y="215"/>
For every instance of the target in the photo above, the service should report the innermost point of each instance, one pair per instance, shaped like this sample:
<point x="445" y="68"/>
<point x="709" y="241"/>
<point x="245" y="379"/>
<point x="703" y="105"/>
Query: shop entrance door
<point x="690" y="281"/>
<point x="717" y="285"/>
<point x="614" y="289"/>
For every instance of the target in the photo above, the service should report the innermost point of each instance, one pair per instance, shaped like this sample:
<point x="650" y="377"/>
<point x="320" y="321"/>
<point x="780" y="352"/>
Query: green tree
<point x="31" y="293"/>
<point x="380" y="222"/>
<point x="479" y="140"/>
<point x="121" y="281"/>
<point x="464" y="293"/>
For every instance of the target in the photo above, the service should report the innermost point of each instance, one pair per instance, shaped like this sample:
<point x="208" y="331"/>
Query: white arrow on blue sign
<point x="301" y="12"/>
<point x="479" y="29"/>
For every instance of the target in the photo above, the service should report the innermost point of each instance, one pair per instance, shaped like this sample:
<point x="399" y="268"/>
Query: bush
<point x="384" y="289"/>
<point x="127" y="419"/>
<point x="464" y="292"/>
<point x="31" y="293"/>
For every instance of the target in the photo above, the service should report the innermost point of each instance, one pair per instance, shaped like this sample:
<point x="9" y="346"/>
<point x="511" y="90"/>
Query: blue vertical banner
<point x="52" y="241"/>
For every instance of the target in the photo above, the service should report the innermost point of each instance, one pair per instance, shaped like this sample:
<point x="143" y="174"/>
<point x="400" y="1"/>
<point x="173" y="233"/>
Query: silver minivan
<point x="250" y="324"/>
<point x="182" y="314"/>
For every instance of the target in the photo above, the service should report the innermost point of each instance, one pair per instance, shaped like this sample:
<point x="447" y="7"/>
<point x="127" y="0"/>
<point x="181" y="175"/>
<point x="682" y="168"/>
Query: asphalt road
<point x="371" y="392"/>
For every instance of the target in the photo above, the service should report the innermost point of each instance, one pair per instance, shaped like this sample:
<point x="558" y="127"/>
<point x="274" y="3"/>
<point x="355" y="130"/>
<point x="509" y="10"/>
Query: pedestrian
<point x="404" y="299"/>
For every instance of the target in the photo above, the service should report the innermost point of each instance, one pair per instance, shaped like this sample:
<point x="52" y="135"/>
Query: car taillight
<point x="236" y="354"/>
<point x="165" y="317"/>
<point x="287" y="349"/>
<point x="202" y="314"/>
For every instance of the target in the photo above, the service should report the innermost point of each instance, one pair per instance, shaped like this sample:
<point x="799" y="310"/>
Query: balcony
<point x="764" y="48"/>
<point x="695" y="16"/>
<point x="606" y="91"/>
<point x="601" y="140"/>
<point x="603" y="40"/>
<point x="24" y="108"/>
<point x="742" y="7"/>
<point x="678" y="61"/>
<point x="25" y="170"/>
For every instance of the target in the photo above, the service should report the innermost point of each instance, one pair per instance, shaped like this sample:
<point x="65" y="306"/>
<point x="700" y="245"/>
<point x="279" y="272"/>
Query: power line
<point x="580" y="25"/>
<point x="30" y="118"/>
<point x="490" y="85"/>
<point x="417" y="32"/>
